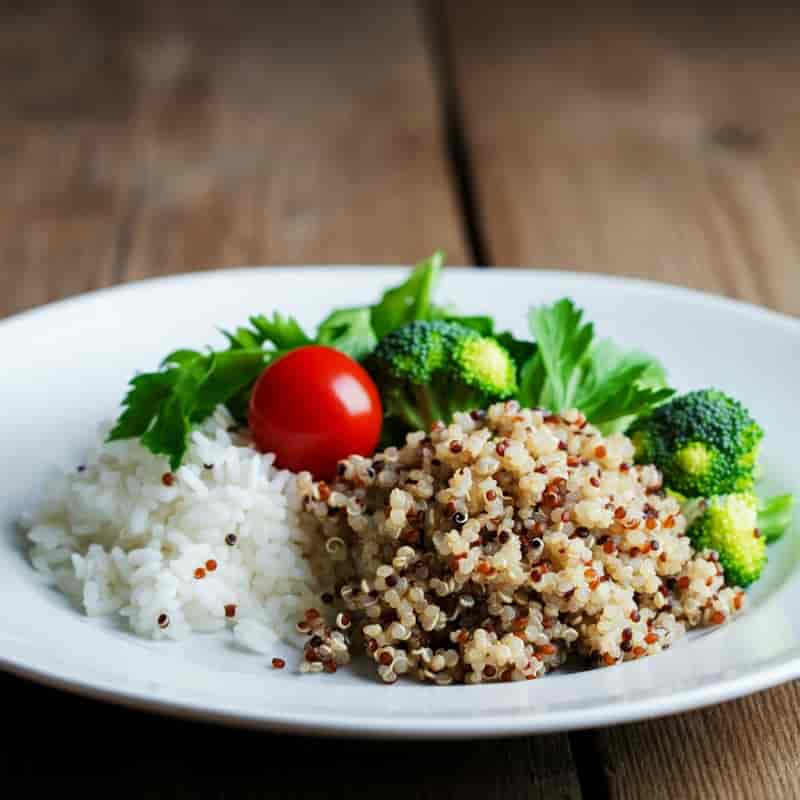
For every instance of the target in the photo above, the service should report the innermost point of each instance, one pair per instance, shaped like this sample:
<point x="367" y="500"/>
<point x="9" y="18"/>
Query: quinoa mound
<point x="490" y="549"/>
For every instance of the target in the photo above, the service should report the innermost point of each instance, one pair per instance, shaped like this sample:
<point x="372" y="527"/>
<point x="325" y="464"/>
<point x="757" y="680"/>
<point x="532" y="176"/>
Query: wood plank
<point x="663" y="144"/>
<point x="155" y="138"/>
<point x="147" y="138"/>
<point x="747" y="749"/>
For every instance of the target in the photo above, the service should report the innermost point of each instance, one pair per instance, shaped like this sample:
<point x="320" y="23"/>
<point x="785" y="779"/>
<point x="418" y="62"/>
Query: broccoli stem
<point x="775" y="516"/>
<point x="430" y="409"/>
<point x="465" y="398"/>
<point x="410" y="410"/>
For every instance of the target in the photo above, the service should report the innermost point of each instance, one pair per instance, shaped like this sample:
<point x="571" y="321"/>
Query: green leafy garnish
<point x="142" y="403"/>
<point x="283" y="333"/>
<point x="161" y="408"/>
<point x="410" y="301"/>
<point x="520" y="350"/>
<point x="775" y="516"/>
<point x="618" y="386"/>
<point x="564" y="367"/>
<point x="571" y="369"/>
<point x="180" y="357"/>
<point x="228" y="374"/>
<point x="482" y="325"/>
<point x="169" y="433"/>
<point x="562" y="342"/>
<point x="356" y="331"/>
<point x="349" y="330"/>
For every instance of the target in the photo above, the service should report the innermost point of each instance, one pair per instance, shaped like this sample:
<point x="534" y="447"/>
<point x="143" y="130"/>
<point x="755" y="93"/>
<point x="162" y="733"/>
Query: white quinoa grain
<point x="490" y="549"/>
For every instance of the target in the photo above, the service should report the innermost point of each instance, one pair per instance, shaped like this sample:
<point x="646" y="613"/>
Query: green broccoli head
<point x="483" y="364"/>
<point x="426" y="371"/>
<point x="416" y="351"/>
<point x="728" y="524"/>
<point x="705" y="443"/>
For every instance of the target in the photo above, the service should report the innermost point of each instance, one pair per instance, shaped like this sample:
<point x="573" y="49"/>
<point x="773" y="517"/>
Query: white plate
<point x="65" y="367"/>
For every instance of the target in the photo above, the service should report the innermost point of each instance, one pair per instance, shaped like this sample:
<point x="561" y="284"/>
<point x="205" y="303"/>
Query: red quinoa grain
<point x="439" y="582"/>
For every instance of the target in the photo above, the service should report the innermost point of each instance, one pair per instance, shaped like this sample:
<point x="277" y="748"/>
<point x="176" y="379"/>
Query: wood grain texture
<point x="662" y="144"/>
<point x="167" y="137"/>
<point x="748" y="749"/>
<point x="146" y="138"/>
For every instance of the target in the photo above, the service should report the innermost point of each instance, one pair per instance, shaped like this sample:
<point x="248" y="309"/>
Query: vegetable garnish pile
<point x="411" y="362"/>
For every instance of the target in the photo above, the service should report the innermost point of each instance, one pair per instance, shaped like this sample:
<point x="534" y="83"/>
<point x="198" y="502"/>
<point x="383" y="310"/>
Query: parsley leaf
<point x="562" y="343"/>
<point x="409" y="301"/>
<point x="142" y="402"/>
<point x="228" y="373"/>
<point x="168" y="428"/>
<point x="356" y="331"/>
<point x="617" y="386"/>
<point x="519" y="349"/>
<point x="570" y="369"/>
<point x="284" y="333"/>
<point x="482" y="325"/>
<point x="162" y="407"/>
<point x="349" y="330"/>
<point x="242" y="339"/>
<point x="169" y="432"/>
<point x="775" y="516"/>
<point x="180" y="357"/>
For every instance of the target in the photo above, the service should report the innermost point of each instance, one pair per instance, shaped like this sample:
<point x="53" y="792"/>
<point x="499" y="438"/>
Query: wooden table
<point x="172" y="136"/>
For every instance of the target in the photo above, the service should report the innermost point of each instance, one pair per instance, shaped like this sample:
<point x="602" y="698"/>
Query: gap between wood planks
<point x="457" y="150"/>
<point x="589" y="761"/>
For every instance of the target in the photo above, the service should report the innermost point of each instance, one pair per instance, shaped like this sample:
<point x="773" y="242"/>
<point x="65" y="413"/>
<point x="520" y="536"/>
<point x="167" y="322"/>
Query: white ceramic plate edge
<point x="443" y="726"/>
<point x="494" y="726"/>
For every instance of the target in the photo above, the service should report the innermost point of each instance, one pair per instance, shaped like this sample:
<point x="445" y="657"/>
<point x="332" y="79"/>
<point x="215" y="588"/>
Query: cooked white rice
<point x="123" y="535"/>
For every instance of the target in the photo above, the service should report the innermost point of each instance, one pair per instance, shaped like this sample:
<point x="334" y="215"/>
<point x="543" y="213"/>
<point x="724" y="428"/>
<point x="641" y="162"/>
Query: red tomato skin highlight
<point x="313" y="407"/>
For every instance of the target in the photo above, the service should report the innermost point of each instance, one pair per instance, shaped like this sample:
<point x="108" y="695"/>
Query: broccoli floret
<point x="416" y="351"/>
<point x="483" y="364"/>
<point x="705" y="443"/>
<point x="426" y="371"/>
<point x="728" y="524"/>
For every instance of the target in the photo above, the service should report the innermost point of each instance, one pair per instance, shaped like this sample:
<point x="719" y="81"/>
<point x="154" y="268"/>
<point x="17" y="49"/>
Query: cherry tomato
<point x="313" y="407"/>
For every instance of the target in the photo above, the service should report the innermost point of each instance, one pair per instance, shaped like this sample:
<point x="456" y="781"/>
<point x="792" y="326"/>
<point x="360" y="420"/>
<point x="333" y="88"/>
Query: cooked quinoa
<point x="490" y="549"/>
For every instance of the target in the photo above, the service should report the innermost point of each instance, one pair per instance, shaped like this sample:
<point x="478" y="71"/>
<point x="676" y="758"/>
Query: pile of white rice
<point x="212" y="545"/>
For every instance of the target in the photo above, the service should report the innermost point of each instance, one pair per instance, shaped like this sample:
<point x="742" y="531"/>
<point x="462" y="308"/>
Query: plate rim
<point x="389" y="270"/>
<point x="448" y="727"/>
<point x="442" y="727"/>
